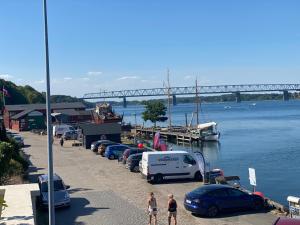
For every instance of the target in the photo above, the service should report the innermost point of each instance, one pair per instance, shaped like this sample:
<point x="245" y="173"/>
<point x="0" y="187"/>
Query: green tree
<point x="6" y="152"/>
<point x="155" y="112"/>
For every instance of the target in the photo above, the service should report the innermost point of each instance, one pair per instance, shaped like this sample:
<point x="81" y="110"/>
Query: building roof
<point x="73" y="112"/>
<point x="99" y="129"/>
<point x="21" y="114"/>
<point x="63" y="105"/>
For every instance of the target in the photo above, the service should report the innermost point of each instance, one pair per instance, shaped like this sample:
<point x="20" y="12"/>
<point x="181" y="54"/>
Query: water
<point x="264" y="136"/>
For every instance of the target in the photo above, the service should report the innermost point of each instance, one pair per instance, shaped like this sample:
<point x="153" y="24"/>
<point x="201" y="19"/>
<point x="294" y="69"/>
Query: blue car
<point x="209" y="200"/>
<point x="115" y="151"/>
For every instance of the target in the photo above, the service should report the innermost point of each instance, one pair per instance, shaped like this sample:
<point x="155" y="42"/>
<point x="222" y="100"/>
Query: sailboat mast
<point x="169" y="99"/>
<point x="197" y="103"/>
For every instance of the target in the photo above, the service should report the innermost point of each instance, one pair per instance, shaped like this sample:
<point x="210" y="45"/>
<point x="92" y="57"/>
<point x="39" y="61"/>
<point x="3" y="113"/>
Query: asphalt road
<point x="103" y="192"/>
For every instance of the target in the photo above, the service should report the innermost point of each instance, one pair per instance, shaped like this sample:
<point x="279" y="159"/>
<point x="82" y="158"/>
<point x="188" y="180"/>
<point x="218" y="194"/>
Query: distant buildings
<point x="33" y="116"/>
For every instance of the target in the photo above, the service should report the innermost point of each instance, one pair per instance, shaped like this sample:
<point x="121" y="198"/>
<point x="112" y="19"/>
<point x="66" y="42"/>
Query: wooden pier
<point x="178" y="135"/>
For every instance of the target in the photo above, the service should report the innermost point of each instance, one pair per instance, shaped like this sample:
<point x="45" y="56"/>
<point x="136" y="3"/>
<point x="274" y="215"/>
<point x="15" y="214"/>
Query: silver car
<point x="61" y="195"/>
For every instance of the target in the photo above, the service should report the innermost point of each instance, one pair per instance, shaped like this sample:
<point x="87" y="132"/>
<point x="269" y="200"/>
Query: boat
<point x="105" y="114"/>
<point x="208" y="131"/>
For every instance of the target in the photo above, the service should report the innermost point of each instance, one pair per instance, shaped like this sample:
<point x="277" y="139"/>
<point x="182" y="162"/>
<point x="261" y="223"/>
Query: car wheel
<point x="258" y="205"/>
<point x="212" y="211"/>
<point x="198" y="176"/>
<point x="136" y="169"/>
<point x="158" y="178"/>
<point x="111" y="157"/>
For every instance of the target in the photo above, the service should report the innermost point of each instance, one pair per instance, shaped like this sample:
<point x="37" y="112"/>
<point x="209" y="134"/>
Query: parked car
<point x="157" y="166"/>
<point x="19" y="139"/>
<point x="209" y="200"/>
<point x="115" y="151"/>
<point x="96" y="144"/>
<point x="131" y="151"/>
<point x="61" y="195"/>
<point x="102" y="147"/>
<point x="287" y="221"/>
<point x="70" y="135"/>
<point x="132" y="162"/>
<point x="59" y="130"/>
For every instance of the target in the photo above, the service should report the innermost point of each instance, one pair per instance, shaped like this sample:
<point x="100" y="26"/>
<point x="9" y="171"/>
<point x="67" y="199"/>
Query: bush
<point x="6" y="152"/>
<point x="15" y="168"/>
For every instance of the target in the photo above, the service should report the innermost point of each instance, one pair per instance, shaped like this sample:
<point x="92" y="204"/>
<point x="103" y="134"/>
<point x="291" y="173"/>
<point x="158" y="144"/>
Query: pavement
<point x="20" y="208"/>
<point x="103" y="192"/>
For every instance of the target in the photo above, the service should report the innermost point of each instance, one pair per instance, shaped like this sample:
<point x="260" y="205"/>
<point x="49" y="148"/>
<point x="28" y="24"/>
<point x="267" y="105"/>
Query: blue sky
<point x="125" y="44"/>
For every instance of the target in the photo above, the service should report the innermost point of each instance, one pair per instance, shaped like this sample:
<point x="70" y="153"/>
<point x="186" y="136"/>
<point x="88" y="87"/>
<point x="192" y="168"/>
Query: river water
<point x="264" y="135"/>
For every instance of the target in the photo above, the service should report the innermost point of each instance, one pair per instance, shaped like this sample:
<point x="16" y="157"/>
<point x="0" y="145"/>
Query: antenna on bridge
<point x="169" y="99"/>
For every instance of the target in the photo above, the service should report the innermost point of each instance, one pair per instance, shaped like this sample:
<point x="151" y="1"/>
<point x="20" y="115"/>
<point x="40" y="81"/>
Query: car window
<point x="189" y="160"/>
<point x="218" y="193"/>
<point x="235" y="193"/>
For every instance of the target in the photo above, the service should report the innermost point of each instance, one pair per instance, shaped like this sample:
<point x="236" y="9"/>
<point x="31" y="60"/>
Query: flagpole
<point x="3" y="96"/>
<point x="49" y="125"/>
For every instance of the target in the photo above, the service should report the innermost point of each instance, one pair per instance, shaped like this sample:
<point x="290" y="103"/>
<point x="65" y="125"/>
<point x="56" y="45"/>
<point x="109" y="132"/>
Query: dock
<point x="178" y="135"/>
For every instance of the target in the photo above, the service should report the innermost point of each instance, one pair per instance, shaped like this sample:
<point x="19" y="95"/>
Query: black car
<point x="96" y="144"/>
<point x="209" y="200"/>
<point x="130" y="152"/>
<point x="133" y="162"/>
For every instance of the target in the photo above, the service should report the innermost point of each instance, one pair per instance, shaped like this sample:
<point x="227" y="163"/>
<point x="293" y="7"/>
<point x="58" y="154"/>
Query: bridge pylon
<point x="238" y="97"/>
<point x="174" y="100"/>
<point x="124" y="102"/>
<point x="285" y="96"/>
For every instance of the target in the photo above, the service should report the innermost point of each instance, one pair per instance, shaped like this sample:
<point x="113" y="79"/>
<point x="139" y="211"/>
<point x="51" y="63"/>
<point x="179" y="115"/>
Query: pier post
<point x="124" y="102"/>
<point x="238" y="97"/>
<point x="286" y="96"/>
<point x="174" y="100"/>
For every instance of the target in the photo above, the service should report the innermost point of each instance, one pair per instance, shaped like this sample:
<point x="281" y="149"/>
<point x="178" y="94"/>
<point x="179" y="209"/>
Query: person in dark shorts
<point x="172" y="209"/>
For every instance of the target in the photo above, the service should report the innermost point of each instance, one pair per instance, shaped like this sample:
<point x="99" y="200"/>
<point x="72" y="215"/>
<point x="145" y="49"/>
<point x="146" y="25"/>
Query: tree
<point x="155" y="112"/>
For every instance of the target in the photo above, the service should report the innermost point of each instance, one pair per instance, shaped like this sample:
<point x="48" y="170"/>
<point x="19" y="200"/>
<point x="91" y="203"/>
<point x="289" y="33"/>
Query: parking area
<point x="104" y="192"/>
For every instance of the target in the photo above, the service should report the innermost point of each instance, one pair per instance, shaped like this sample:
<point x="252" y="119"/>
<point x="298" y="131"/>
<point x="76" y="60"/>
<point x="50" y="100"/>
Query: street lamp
<point x="49" y="126"/>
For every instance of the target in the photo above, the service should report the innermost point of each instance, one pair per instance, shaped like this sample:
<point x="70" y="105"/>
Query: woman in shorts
<point x="172" y="209"/>
<point x="152" y="208"/>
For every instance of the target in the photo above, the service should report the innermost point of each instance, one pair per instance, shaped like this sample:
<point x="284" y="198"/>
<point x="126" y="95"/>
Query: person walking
<point x="152" y="208"/>
<point x="172" y="209"/>
<point x="61" y="141"/>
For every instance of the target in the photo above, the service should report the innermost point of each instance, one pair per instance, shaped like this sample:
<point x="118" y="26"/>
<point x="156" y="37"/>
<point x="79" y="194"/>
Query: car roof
<point x="117" y="145"/>
<point x="133" y="155"/>
<point x="44" y="177"/>
<point x="212" y="187"/>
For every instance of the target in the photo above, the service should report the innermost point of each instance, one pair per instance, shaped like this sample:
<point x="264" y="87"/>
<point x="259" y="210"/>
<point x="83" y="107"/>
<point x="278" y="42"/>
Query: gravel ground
<point x="104" y="192"/>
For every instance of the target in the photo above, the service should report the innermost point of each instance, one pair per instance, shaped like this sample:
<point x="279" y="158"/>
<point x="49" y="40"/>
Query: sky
<point x="98" y="45"/>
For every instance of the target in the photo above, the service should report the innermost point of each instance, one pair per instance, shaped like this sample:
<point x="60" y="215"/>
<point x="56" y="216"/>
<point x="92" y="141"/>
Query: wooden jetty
<point x="179" y="135"/>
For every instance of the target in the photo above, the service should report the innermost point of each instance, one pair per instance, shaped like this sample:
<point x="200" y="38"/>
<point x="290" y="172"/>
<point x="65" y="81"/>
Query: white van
<point x="59" y="130"/>
<point x="157" y="166"/>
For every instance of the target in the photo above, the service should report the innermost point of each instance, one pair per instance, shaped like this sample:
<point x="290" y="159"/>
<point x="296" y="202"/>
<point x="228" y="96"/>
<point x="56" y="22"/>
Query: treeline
<point x="28" y="95"/>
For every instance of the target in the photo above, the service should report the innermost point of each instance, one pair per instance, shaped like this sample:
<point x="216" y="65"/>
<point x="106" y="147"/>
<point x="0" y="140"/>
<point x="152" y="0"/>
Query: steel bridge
<point x="191" y="90"/>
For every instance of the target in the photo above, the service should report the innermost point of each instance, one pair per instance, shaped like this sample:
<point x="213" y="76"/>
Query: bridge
<point x="191" y="90"/>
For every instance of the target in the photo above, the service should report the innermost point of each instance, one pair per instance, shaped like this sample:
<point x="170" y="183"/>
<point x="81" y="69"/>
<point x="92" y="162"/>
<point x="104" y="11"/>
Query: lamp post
<point x="49" y="125"/>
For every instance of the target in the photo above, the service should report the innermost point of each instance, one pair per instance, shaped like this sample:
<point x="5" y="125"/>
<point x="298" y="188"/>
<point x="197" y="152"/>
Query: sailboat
<point x="206" y="131"/>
